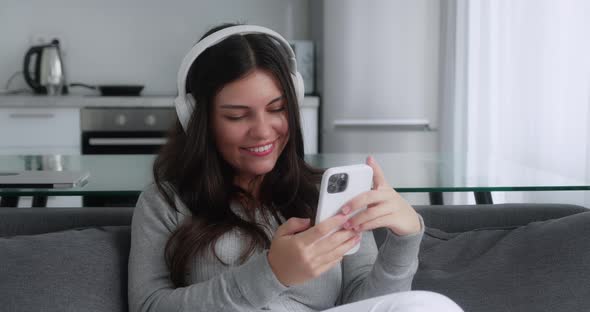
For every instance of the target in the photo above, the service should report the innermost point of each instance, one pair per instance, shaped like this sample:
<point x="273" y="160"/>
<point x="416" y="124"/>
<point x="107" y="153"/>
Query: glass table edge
<point x="81" y="192"/>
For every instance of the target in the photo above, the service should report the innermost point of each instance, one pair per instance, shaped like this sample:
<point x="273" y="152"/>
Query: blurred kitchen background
<point x="475" y="80"/>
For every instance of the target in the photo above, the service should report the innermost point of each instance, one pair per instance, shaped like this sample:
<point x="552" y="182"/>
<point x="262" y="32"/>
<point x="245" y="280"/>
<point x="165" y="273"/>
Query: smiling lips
<point x="260" y="150"/>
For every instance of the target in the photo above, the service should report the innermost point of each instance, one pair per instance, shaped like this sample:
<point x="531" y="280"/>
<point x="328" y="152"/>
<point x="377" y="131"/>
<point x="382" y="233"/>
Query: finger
<point x="378" y="211"/>
<point x="322" y="229"/>
<point x="339" y="251"/>
<point x="374" y="224"/>
<point x="292" y="226"/>
<point x="378" y="175"/>
<point x="365" y="199"/>
<point x="327" y="244"/>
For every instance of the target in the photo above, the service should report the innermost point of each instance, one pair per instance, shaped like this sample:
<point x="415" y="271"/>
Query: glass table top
<point x="406" y="172"/>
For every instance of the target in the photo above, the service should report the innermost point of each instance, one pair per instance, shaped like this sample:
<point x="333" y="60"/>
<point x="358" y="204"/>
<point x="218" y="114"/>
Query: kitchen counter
<point x="37" y="124"/>
<point x="81" y="101"/>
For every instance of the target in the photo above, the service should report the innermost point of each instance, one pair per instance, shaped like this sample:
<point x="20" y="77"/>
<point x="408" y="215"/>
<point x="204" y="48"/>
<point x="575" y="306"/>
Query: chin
<point x="262" y="169"/>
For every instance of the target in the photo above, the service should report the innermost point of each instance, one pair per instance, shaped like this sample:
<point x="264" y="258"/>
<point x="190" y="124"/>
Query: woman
<point x="226" y="225"/>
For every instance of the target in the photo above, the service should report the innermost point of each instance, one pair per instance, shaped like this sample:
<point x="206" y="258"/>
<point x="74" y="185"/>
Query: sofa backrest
<point x="28" y="221"/>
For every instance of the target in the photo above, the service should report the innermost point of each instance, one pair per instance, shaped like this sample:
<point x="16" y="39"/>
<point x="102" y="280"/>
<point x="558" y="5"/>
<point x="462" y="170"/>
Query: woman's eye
<point x="279" y="109"/>
<point x="274" y="110"/>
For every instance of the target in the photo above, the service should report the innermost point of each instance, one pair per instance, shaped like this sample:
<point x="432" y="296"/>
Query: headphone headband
<point x="219" y="36"/>
<point x="185" y="102"/>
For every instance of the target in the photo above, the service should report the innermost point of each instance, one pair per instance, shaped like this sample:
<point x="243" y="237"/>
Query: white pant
<point x="409" y="301"/>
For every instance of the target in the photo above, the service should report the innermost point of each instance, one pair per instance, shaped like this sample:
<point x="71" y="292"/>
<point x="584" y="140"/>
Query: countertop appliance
<point x="47" y="75"/>
<point x="112" y="90"/>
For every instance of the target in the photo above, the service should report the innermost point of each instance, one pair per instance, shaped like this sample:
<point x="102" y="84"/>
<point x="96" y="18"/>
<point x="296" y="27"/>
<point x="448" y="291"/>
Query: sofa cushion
<point x="74" y="270"/>
<point x="542" y="266"/>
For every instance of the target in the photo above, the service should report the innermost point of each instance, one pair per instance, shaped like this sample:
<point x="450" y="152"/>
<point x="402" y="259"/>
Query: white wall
<point x="131" y="41"/>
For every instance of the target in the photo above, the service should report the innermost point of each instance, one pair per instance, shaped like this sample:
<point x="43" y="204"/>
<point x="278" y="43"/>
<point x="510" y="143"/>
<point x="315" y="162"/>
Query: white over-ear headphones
<point x="185" y="103"/>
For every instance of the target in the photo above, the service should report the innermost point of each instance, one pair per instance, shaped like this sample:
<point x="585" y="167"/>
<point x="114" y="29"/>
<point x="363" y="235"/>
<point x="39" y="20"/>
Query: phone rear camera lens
<point x="337" y="182"/>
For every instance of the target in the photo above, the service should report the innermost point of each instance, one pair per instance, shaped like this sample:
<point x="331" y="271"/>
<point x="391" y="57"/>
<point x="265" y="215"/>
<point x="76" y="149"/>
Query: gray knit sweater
<point x="252" y="286"/>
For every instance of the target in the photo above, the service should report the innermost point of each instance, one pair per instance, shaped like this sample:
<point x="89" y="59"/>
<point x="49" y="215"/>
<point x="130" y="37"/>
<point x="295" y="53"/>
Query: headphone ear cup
<point x="191" y="103"/>
<point x="184" y="109"/>
<point x="299" y="87"/>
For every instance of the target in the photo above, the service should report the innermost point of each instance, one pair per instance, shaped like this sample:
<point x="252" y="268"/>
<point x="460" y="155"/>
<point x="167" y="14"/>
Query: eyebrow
<point x="233" y="106"/>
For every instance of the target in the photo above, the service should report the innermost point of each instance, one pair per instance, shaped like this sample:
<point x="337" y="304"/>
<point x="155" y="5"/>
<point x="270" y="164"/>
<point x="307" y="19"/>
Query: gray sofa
<point x="509" y="257"/>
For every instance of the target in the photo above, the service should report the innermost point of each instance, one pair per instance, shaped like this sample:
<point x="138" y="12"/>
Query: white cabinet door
<point x="39" y="130"/>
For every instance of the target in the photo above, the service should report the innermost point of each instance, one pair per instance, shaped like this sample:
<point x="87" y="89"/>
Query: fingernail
<point x="346" y="209"/>
<point x="356" y="228"/>
<point x="370" y="158"/>
<point x="347" y="225"/>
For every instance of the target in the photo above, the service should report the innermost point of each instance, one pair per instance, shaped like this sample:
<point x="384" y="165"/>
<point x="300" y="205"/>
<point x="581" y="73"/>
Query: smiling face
<point x="249" y="120"/>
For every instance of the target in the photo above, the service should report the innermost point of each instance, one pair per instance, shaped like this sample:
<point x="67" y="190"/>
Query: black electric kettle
<point x="47" y="76"/>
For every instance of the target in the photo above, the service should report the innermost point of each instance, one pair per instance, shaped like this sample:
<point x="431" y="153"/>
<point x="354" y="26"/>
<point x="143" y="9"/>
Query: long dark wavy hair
<point x="190" y="168"/>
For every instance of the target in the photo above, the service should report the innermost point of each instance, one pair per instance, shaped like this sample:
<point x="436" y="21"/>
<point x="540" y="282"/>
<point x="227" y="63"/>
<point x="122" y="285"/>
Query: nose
<point x="261" y="128"/>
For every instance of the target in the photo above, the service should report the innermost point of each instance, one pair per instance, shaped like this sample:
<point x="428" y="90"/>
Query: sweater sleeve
<point x="248" y="286"/>
<point x="370" y="273"/>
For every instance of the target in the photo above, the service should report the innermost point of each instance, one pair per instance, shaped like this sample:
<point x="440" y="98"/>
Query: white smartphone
<point x="338" y="186"/>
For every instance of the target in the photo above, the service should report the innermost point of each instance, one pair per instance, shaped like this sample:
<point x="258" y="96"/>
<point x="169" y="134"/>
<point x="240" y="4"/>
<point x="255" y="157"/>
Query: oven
<point x="123" y="130"/>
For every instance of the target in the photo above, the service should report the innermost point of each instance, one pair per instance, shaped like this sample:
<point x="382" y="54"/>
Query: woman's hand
<point x="299" y="253"/>
<point x="385" y="208"/>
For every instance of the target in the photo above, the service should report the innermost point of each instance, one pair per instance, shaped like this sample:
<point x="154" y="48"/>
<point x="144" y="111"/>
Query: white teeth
<point x="260" y="149"/>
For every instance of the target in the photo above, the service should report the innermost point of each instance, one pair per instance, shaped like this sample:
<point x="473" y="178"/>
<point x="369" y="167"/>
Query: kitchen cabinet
<point x="41" y="130"/>
<point x="51" y="125"/>
<point x="309" y="123"/>
<point x="41" y="125"/>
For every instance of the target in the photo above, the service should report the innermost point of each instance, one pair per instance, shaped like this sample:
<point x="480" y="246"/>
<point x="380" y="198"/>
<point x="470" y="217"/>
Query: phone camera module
<point x="337" y="183"/>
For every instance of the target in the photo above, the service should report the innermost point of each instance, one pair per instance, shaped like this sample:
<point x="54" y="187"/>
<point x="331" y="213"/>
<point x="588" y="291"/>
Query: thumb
<point x="378" y="176"/>
<point x="292" y="226"/>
